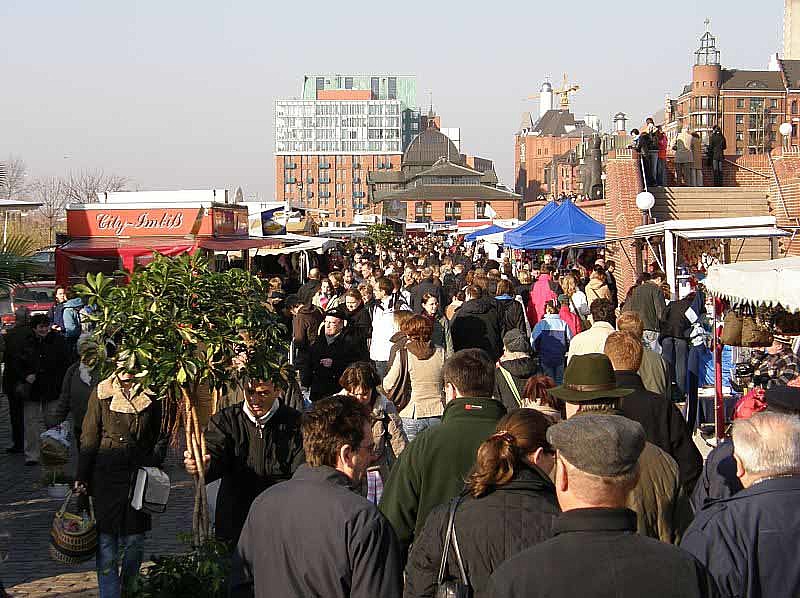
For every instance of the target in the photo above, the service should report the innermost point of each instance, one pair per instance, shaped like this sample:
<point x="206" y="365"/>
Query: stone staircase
<point x="688" y="203"/>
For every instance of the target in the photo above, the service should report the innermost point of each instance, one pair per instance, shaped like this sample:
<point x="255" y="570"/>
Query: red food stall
<point x="112" y="236"/>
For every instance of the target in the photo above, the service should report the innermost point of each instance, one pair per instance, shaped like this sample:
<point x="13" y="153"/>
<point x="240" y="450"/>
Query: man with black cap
<point x="330" y="355"/>
<point x="596" y="550"/>
<point x="661" y="505"/>
<point x="748" y="541"/>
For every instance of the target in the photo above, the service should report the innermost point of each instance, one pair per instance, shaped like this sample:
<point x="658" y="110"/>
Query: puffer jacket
<point x="490" y="530"/>
<point x="477" y="326"/>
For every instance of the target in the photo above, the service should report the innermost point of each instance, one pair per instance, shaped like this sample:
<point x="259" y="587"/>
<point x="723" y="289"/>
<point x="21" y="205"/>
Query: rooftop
<point x="746" y="80"/>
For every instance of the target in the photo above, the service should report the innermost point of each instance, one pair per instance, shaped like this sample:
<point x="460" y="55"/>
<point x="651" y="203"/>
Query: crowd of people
<point x="458" y="422"/>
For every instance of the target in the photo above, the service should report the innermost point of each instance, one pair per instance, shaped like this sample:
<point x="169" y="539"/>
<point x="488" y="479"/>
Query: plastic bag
<point x="59" y="433"/>
<point x="55" y="445"/>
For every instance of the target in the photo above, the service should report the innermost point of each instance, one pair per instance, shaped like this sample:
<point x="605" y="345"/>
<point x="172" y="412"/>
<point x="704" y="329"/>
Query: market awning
<point x="733" y="233"/>
<point x="770" y="282"/>
<point x="237" y="244"/>
<point x="317" y="244"/>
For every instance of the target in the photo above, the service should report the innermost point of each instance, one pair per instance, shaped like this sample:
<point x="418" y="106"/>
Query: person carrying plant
<point x="250" y="446"/>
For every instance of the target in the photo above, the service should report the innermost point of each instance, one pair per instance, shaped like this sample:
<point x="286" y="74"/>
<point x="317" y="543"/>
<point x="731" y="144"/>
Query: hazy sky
<point x="179" y="94"/>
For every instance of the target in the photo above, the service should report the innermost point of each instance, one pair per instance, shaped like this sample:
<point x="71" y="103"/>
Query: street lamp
<point x="645" y="202"/>
<point x="603" y="178"/>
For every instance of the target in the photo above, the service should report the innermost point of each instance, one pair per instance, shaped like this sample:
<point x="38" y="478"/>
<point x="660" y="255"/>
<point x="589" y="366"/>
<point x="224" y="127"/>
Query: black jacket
<point x="511" y="316"/>
<point x="476" y="326"/>
<point x="360" y="323"/>
<point x="673" y="322"/>
<point x="48" y="359"/>
<point x="520" y="370"/>
<point x="748" y="541"/>
<point x="490" y="530"/>
<point x="717" y="146"/>
<point x="597" y="553"/>
<point x="314" y="536"/>
<point x="249" y="461"/>
<point x="719" y="479"/>
<point x="306" y="292"/>
<point x="345" y="349"/>
<point x="663" y="425"/>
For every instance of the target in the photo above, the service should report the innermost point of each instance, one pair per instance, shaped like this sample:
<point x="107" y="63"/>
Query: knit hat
<point x="515" y="342"/>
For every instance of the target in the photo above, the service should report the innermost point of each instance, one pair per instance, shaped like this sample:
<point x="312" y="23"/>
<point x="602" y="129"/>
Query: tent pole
<point x="719" y="401"/>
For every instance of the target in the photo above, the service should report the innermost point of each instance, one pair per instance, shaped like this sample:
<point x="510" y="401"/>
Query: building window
<point x="739" y="119"/>
<point x="794" y="107"/>
<point x="452" y="210"/>
<point x="348" y="83"/>
<point x="773" y="103"/>
<point x="392" y="92"/>
<point x="480" y="207"/>
<point x="740" y="102"/>
<point x="320" y="83"/>
<point x="739" y="136"/>
<point x="375" y="87"/>
<point x="422" y="211"/>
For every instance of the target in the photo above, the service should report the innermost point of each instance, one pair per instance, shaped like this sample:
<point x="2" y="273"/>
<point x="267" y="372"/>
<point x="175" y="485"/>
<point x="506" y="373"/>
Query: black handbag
<point x="452" y="588"/>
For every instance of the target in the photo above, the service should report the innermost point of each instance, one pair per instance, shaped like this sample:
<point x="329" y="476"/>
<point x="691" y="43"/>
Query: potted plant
<point x="187" y="334"/>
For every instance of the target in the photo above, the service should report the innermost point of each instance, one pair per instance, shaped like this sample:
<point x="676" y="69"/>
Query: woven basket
<point x="73" y="540"/>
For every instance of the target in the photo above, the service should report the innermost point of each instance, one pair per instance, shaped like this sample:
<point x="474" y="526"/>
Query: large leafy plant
<point x="185" y="332"/>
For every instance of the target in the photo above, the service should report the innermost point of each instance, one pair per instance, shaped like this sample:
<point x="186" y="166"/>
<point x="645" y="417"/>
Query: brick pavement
<point x="26" y="513"/>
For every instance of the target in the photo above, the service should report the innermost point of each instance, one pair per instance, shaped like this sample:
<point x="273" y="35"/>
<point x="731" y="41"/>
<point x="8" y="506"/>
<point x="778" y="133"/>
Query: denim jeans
<point x="676" y="355"/>
<point x="661" y="172"/>
<point x="111" y="549"/>
<point x="414" y="426"/>
<point x="652" y="163"/>
<point x="555" y="372"/>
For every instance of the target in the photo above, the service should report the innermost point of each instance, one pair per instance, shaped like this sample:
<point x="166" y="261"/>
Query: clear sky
<point x="178" y="94"/>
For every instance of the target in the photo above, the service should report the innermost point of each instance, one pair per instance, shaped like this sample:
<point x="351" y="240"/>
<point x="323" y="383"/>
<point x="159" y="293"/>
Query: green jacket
<point x="434" y="466"/>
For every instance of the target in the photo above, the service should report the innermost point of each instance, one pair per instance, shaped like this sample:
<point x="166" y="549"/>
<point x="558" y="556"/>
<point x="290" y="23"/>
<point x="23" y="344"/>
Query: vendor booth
<point x="484" y="232"/>
<point x="121" y="233"/>
<point x="554" y="226"/>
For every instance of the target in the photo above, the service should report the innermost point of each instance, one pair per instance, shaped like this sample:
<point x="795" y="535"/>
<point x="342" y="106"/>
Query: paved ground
<point x="26" y="513"/>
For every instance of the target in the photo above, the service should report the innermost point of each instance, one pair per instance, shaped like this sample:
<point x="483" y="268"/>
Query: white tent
<point x="770" y="282"/>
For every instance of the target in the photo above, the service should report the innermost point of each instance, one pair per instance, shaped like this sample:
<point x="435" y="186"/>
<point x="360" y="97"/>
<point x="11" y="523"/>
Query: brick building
<point x="537" y="144"/>
<point x="341" y="129"/>
<point x="436" y="183"/>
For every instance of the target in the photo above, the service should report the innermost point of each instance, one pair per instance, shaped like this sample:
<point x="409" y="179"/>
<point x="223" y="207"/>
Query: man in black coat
<point x="330" y="355"/>
<point x="306" y="292"/>
<point x="596" y="550"/>
<point x="429" y="286"/>
<point x="663" y="424"/>
<point x="746" y="540"/>
<point x="251" y="446"/>
<point x="16" y="339"/>
<point x="476" y="324"/>
<point x="313" y="535"/>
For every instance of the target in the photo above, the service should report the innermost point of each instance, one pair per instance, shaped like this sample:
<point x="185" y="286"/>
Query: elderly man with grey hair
<point x="749" y="541"/>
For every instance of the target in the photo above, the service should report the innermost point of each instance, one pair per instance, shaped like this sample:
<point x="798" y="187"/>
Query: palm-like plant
<point x="16" y="265"/>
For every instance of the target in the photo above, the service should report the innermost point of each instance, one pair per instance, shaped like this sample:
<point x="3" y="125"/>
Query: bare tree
<point x="12" y="178"/>
<point x="52" y="193"/>
<point x="86" y="185"/>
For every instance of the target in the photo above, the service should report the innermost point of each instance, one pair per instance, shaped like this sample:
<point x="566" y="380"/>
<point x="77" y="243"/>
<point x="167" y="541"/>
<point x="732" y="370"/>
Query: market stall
<point x="556" y="226"/>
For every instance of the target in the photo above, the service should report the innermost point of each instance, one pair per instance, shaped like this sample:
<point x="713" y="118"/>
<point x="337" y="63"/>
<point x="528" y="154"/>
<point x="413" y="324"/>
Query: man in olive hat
<point x="595" y="550"/>
<point x="661" y="505"/>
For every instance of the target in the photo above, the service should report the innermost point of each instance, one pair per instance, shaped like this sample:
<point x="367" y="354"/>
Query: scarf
<point x="419" y="349"/>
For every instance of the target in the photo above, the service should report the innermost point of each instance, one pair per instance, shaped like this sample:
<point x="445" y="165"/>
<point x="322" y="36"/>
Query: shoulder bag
<point x="452" y="588"/>
<point x="400" y="393"/>
<point x="512" y="385"/>
<point x="585" y="325"/>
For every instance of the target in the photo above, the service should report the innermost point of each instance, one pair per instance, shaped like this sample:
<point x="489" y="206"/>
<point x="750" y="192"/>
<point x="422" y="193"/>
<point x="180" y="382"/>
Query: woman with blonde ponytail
<point x="509" y="504"/>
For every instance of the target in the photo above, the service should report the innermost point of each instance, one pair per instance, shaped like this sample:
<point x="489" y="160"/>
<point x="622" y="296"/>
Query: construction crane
<point x="565" y="92"/>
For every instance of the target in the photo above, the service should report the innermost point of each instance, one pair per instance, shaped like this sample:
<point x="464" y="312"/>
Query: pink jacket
<point x="572" y="320"/>
<point x="541" y="293"/>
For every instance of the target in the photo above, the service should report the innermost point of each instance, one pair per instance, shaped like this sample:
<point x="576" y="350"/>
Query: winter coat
<point x="596" y="552"/>
<point x="344" y="350"/>
<point x="719" y="479"/>
<point x="673" y="322"/>
<point x="476" y="326"/>
<point x="306" y="292"/>
<point x="746" y="541"/>
<point x="717" y="146"/>
<point x="597" y="289"/>
<point x="72" y="318"/>
<point x="305" y="327"/>
<point x="441" y="335"/>
<point x="654" y="373"/>
<point x="663" y="425"/>
<point x="590" y="341"/>
<point x="314" y="536"/>
<point x="427" y="384"/>
<point x="543" y="290"/>
<point x="19" y="342"/>
<point x="510" y="314"/>
<point x="571" y="320"/>
<point x="46" y="358"/>
<point x="360" y="323"/>
<point x="249" y="459"/>
<point x="490" y="530"/>
<point x="550" y="339"/>
<point x="520" y="370"/>
<point x="697" y="152"/>
<point x="74" y="399"/>
<point x="648" y="301"/>
<point x="114" y="445"/>
<point x="383" y="327"/>
<point x="683" y="148"/>
<point x="432" y="469"/>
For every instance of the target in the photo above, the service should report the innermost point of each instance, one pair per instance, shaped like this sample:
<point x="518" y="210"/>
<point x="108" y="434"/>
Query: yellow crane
<point x="565" y="92"/>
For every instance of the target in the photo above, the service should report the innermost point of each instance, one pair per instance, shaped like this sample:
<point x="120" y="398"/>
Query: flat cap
<point x="604" y="445"/>
<point x="785" y="398"/>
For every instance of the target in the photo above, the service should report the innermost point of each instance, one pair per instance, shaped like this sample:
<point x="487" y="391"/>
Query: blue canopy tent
<point x="565" y="225"/>
<point x="489" y="230"/>
<point x="518" y="232"/>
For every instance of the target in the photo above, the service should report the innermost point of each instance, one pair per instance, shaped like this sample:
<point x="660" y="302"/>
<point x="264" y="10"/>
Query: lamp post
<point x="603" y="178"/>
<point x="645" y="202"/>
